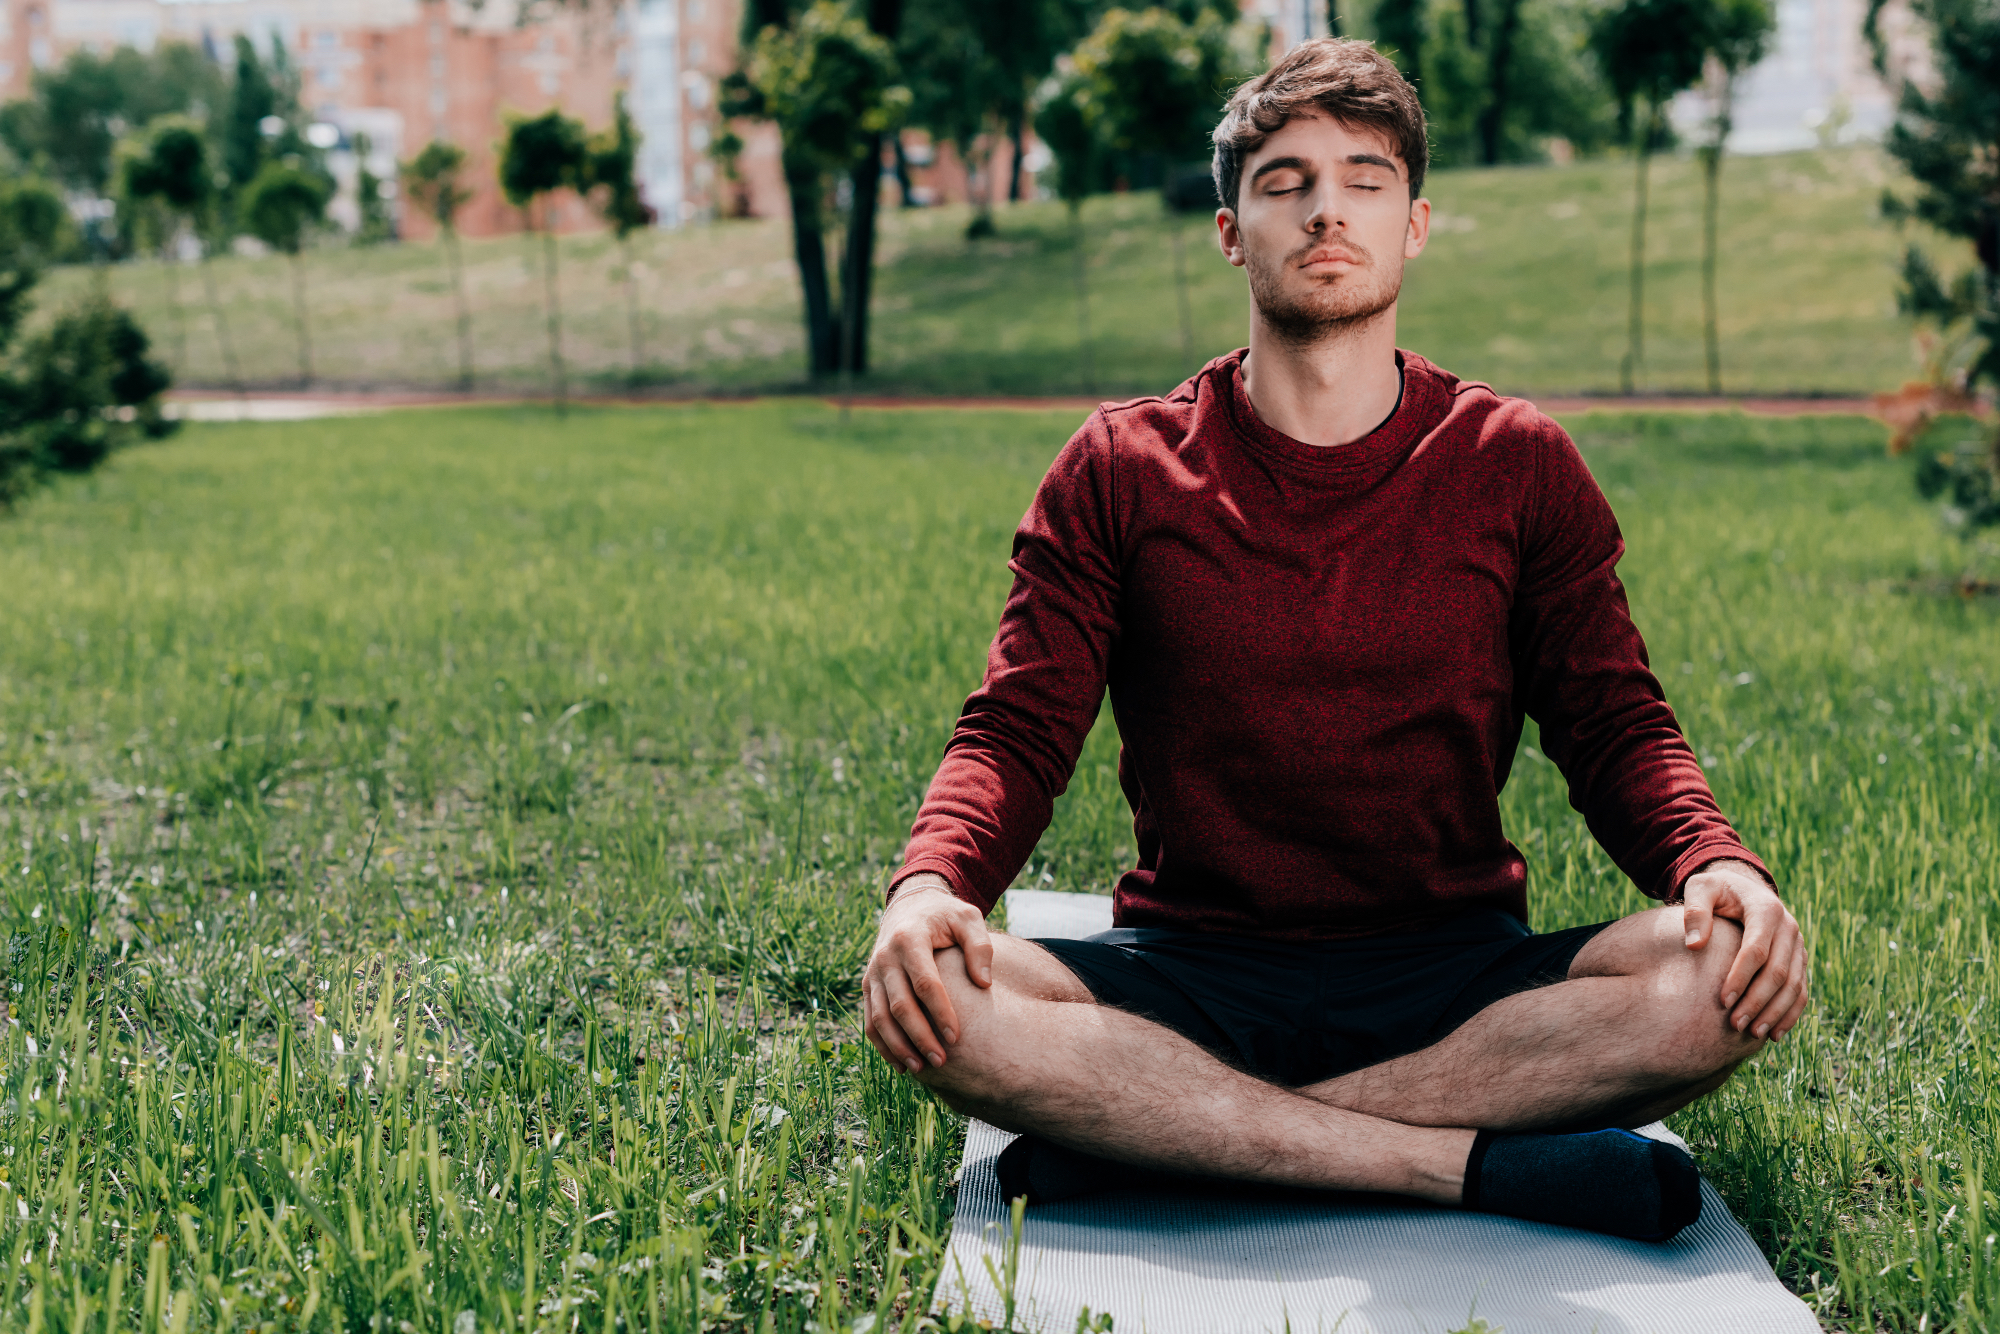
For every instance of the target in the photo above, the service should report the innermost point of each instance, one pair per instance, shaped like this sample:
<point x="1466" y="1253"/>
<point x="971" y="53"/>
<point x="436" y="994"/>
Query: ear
<point x="1419" y="234"/>
<point x="1228" y="236"/>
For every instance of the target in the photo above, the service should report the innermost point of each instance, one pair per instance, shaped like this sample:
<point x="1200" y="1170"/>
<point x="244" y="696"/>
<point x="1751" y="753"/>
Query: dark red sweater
<point x="1319" y="662"/>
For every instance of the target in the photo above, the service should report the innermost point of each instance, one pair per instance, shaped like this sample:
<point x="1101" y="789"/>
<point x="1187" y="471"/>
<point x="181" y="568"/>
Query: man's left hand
<point x="1765" y="990"/>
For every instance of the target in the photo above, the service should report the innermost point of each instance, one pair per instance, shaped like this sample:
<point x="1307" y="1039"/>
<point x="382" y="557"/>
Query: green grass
<point x="1524" y="285"/>
<point x="441" y="847"/>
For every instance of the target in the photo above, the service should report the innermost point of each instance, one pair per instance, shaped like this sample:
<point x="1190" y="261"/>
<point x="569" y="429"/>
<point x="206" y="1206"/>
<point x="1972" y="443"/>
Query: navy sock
<point x="1604" y="1180"/>
<point x="1047" y="1173"/>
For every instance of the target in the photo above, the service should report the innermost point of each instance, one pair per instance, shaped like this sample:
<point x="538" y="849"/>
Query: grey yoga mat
<point x="1217" y="1262"/>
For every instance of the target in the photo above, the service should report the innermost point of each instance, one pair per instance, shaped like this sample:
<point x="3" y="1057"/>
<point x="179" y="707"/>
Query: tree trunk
<point x="1399" y="25"/>
<point x="221" y="325"/>
<point x="632" y="310"/>
<point x="552" y="306"/>
<point x="1181" y="291"/>
<point x="1711" y="171"/>
<point x="1635" y="326"/>
<point x="1082" y="296"/>
<point x="457" y="263"/>
<point x="1472" y="24"/>
<point x="858" y="265"/>
<point x="299" y="314"/>
<point x="1499" y="74"/>
<point x="178" y="312"/>
<point x="809" y="249"/>
<point x="1017" y="126"/>
<point x="903" y="172"/>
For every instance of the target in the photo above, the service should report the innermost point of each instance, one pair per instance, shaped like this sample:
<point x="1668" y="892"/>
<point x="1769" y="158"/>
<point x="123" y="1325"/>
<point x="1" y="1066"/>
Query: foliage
<point x="766" y="674"/>
<point x="170" y="163"/>
<point x="283" y="203"/>
<point x="1553" y="88"/>
<point x="1947" y="136"/>
<point x="376" y="224"/>
<point x="432" y="181"/>
<point x="1160" y="80"/>
<point x="609" y="173"/>
<point x="70" y="122"/>
<point x="34" y="216"/>
<point x="62" y="388"/>
<point x="263" y="120"/>
<point x="542" y="154"/>
<point x="829" y="84"/>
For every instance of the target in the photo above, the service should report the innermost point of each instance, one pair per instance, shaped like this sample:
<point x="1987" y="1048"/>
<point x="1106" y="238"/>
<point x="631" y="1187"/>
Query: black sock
<point x="1604" y="1180"/>
<point x="1046" y="1173"/>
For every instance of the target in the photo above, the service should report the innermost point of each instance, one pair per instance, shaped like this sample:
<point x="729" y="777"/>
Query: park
<point x="445" y="832"/>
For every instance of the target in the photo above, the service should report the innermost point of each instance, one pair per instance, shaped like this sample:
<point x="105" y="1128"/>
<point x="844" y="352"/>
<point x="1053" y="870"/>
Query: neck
<point x="1330" y="391"/>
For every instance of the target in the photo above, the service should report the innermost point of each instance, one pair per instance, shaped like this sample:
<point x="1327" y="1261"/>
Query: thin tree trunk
<point x="552" y="303"/>
<point x="221" y="326"/>
<point x="1635" y="318"/>
<point x="903" y="173"/>
<point x="632" y="310"/>
<point x="858" y="266"/>
<point x="299" y="315"/>
<point x="1082" y="297"/>
<point x="457" y="263"/>
<point x="1181" y="290"/>
<point x="179" y="313"/>
<point x="1017" y="129"/>
<point x="1499" y="73"/>
<point x="809" y="250"/>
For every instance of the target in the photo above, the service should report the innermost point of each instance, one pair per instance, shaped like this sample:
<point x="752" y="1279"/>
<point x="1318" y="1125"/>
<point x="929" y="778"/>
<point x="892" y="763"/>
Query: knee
<point x="1697" y="1043"/>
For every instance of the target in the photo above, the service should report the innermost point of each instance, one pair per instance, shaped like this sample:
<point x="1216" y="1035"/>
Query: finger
<point x="1759" y="936"/>
<point x="907" y="1016"/>
<point x="1782" y="1012"/>
<point x="895" y="1043"/>
<point x="1697" y="912"/>
<point x="977" y="943"/>
<point x="1768" y="982"/>
<point x="873" y="1014"/>
<point x="1799" y="1003"/>
<point x="928" y="984"/>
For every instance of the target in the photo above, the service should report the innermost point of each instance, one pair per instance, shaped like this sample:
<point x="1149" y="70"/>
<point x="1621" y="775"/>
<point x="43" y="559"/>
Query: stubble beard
<point x="1304" y="312"/>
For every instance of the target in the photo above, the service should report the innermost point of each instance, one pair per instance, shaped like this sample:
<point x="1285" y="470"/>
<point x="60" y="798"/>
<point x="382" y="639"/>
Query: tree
<point x="170" y="166"/>
<point x="613" y="157"/>
<point x="62" y="391"/>
<point x="540" y="156"/>
<point x="69" y="124"/>
<point x="1159" y="84"/>
<point x="1527" y="78"/>
<point x="1947" y="136"/>
<point x="1650" y="50"/>
<point x="1068" y="123"/>
<point x="374" y="223"/>
<point x="33" y="213"/>
<point x="828" y="81"/>
<point x="432" y="180"/>
<point x="280" y="207"/>
<point x="1737" y="36"/>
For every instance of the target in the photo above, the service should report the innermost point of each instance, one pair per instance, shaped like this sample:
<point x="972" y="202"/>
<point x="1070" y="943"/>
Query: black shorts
<point x="1295" y="1014"/>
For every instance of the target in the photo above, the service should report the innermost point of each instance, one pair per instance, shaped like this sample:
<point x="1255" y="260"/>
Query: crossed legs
<point x="1635" y="1032"/>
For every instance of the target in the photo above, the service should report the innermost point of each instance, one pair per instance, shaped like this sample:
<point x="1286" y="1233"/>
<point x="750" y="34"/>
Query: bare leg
<point x="1637" y="1032"/>
<point x="1035" y="1055"/>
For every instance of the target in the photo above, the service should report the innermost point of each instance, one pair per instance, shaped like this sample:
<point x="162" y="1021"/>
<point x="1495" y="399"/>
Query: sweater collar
<point x="1364" y="460"/>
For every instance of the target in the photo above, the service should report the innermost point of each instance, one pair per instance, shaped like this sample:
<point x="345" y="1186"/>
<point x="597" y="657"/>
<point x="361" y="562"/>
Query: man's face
<point x="1323" y="222"/>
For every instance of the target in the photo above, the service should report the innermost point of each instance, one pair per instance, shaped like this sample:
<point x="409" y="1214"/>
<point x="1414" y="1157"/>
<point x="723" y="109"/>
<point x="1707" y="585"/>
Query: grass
<point x="441" y="847"/>
<point x="1524" y="285"/>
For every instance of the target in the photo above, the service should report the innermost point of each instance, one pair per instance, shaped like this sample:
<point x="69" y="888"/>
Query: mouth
<point x="1320" y="257"/>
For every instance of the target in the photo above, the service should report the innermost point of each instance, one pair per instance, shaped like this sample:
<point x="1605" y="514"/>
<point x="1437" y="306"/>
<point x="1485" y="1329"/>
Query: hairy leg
<point x="1638" y="1031"/>
<point x="1034" y="1055"/>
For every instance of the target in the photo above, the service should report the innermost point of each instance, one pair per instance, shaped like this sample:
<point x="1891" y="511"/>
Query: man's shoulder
<point x="1473" y="412"/>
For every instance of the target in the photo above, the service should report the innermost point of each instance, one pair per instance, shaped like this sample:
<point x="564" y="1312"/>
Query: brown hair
<point x="1340" y="77"/>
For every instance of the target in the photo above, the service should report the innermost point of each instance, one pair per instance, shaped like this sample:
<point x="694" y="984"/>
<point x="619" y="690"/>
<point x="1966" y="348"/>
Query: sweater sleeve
<point x="1018" y="738"/>
<point x="1582" y="674"/>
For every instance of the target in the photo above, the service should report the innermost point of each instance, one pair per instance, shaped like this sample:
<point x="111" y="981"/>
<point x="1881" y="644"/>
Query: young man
<point x="1324" y="581"/>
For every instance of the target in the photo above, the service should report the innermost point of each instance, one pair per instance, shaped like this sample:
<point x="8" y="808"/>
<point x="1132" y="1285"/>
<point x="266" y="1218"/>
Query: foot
<point x="1046" y="1173"/>
<point x="1609" y="1181"/>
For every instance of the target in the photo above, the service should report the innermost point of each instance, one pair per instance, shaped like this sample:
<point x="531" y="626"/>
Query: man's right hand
<point x="906" y="1009"/>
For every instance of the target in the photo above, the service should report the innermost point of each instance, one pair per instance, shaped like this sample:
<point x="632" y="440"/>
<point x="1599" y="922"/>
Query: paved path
<point x="210" y="405"/>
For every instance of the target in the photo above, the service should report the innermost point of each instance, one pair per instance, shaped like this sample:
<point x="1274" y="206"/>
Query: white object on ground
<point x="1215" y="1264"/>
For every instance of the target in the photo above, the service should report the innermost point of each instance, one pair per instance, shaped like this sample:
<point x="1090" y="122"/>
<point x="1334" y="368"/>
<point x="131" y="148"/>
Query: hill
<point x="1523" y="285"/>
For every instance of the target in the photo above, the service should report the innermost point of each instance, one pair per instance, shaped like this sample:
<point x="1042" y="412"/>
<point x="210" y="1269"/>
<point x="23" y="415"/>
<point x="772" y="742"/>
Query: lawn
<point x="447" y="842"/>
<point x="1524" y="285"/>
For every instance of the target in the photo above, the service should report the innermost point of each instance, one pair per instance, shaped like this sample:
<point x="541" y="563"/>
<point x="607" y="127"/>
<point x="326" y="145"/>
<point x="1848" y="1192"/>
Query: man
<point x="1324" y="581"/>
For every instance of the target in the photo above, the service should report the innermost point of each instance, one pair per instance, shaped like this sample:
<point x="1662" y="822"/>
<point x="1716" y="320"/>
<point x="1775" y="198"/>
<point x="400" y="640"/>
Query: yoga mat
<point x="1216" y="1262"/>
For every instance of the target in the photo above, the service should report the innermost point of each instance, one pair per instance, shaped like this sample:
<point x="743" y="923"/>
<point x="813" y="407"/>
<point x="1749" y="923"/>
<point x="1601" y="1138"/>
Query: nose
<point x="1326" y="213"/>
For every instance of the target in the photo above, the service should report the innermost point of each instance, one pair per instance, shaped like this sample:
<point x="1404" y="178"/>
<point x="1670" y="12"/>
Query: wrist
<point x="922" y="882"/>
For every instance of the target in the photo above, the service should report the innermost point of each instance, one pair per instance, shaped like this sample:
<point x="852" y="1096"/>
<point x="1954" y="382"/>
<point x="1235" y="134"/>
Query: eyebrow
<point x="1300" y="164"/>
